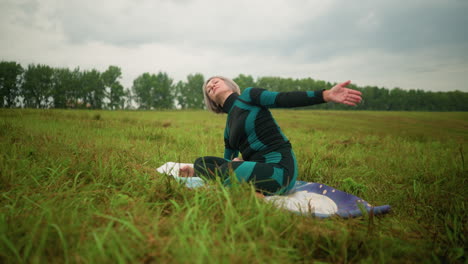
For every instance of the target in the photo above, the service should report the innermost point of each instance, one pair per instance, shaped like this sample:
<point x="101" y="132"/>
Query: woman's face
<point x="215" y="88"/>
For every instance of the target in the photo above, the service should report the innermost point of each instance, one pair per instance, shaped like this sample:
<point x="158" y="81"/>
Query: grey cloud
<point x="176" y="23"/>
<point x="128" y="25"/>
<point x="398" y="27"/>
<point x="19" y="12"/>
<point x="426" y="34"/>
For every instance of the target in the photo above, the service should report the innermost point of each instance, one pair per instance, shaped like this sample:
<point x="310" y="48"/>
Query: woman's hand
<point x="237" y="159"/>
<point x="186" y="171"/>
<point x="343" y="95"/>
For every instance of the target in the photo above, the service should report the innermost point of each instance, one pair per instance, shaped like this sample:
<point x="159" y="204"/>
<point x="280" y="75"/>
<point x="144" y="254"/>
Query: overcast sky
<point x="411" y="44"/>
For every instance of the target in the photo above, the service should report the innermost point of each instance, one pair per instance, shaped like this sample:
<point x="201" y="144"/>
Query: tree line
<point x="42" y="86"/>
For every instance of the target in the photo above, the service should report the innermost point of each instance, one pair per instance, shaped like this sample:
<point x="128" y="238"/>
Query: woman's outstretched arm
<point x="339" y="94"/>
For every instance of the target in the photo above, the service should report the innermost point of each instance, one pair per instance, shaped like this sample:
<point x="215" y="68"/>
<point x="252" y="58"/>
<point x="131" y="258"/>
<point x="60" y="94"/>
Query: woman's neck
<point x="222" y="97"/>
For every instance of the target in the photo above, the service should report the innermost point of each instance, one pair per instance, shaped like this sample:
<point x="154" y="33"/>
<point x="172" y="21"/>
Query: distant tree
<point x="459" y="100"/>
<point x="75" y="91"/>
<point x="10" y="81"/>
<point x="68" y="88"/>
<point x="270" y="83"/>
<point x="374" y="98"/>
<point x="190" y="94"/>
<point x="421" y="100"/>
<point x="37" y="87"/>
<point x="142" y="88"/>
<point x="180" y="94"/>
<point x="162" y="95"/>
<point x="61" y="84"/>
<point x="128" y="99"/>
<point x="41" y="86"/>
<point x="153" y="91"/>
<point x="114" y="90"/>
<point x="244" y="81"/>
<point x="307" y="84"/>
<point x="396" y="99"/>
<point x="93" y="88"/>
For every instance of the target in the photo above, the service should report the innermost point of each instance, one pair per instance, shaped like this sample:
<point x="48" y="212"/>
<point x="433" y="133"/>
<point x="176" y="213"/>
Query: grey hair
<point x="210" y="104"/>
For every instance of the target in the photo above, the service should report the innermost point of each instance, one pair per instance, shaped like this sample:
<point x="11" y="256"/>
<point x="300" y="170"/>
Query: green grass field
<point x="81" y="187"/>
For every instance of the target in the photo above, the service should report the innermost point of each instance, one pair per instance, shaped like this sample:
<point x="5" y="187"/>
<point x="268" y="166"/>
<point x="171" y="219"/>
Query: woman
<point x="268" y="160"/>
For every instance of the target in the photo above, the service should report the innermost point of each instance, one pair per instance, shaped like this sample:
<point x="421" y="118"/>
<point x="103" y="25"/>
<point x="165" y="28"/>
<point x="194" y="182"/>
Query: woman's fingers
<point x="354" y="98"/>
<point x="345" y="83"/>
<point x="350" y="99"/>
<point x="356" y="92"/>
<point x="350" y="102"/>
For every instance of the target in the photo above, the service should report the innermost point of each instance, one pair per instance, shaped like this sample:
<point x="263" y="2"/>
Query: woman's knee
<point x="201" y="164"/>
<point x="199" y="160"/>
<point x="209" y="166"/>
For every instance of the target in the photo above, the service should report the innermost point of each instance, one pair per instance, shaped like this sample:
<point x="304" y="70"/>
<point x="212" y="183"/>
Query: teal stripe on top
<point x="268" y="98"/>
<point x="254" y="142"/>
<point x="273" y="157"/>
<point x="226" y="129"/>
<point x="245" y="95"/>
<point x="310" y="94"/>
<point x="278" y="175"/>
<point x="242" y="172"/>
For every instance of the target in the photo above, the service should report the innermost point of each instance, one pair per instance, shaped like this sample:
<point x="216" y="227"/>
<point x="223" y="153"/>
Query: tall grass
<point x="81" y="187"/>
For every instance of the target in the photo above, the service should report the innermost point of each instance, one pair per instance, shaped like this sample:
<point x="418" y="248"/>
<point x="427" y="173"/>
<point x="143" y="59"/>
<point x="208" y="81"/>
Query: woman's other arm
<point x="339" y="94"/>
